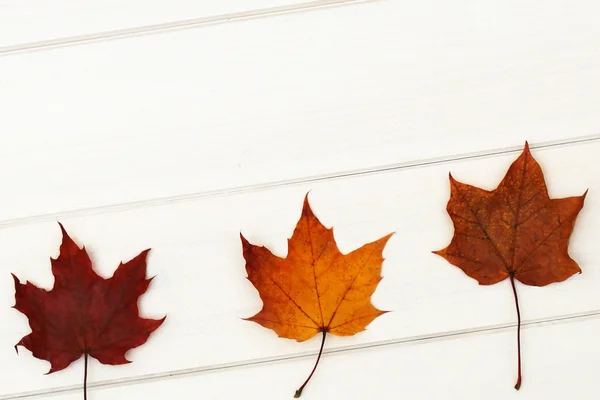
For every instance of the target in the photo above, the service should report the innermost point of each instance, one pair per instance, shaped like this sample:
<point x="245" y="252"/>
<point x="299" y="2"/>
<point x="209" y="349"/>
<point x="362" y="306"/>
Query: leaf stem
<point x="85" y="368"/>
<point x="512" y="283"/>
<point x="299" y="391"/>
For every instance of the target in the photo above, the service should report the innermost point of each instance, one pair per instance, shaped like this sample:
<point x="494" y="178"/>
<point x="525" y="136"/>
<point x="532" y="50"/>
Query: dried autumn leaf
<point x="316" y="288"/>
<point x="515" y="231"/>
<point x="85" y="314"/>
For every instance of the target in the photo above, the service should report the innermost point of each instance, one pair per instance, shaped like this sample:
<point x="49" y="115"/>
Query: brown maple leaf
<point x="316" y="288"/>
<point x="85" y="314"/>
<point x="515" y="231"/>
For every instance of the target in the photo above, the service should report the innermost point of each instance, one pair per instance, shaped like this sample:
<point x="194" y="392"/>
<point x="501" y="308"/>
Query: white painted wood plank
<point x="560" y="361"/>
<point x="289" y="97"/>
<point x="201" y="283"/>
<point x="30" y="21"/>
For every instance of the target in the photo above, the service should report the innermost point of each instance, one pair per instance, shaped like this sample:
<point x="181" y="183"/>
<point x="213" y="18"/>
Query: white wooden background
<point x="177" y="124"/>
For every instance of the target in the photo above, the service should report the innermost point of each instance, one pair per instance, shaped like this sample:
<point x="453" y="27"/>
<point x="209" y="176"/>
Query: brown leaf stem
<point x="85" y="368"/>
<point x="512" y="283"/>
<point x="299" y="391"/>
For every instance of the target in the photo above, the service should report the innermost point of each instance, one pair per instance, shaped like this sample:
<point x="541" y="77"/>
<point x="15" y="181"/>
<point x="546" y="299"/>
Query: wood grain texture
<point x="559" y="365"/>
<point x="200" y="279"/>
<point x="288" y="97"/>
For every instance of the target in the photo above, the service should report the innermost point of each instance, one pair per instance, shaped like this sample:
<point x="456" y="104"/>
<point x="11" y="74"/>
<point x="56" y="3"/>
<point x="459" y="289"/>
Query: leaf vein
<point x="292" y="300"/>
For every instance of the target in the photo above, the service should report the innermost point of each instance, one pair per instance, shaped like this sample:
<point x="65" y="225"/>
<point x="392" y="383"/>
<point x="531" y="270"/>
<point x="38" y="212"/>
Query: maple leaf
<point x="515" y="231"/>
<point x="85" y="314"/>
<point x="315" y="289"/>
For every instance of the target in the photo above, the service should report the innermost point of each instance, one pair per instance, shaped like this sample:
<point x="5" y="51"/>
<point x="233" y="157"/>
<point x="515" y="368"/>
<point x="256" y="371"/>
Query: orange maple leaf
<point x="316" y="288"/>
<point x="515" y="231"/>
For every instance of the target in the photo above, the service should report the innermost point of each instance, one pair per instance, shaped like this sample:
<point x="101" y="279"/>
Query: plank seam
<point x="237" y="190"/>
<point x="173" y="26"/>
<point x="413" y="340"/>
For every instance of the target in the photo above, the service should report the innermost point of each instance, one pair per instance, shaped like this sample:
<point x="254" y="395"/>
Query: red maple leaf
<point x="85" y="314"/>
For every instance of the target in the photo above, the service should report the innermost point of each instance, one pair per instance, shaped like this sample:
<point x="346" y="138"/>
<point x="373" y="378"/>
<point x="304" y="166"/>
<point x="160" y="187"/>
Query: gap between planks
<point x="426" y="338"/>
<point x="173" y="26"/>
<point x="397" y="167"/>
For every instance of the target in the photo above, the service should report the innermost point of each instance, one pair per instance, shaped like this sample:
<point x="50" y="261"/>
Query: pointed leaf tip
<point x="439" y="252"/>
<point x="145" y="252"/>
<point x="17" y="281"/>
<point x="386" y="238"/>
<point x="306" y="209"/>
<point x="306" y="204"/>
<point x="66" y="238"/>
